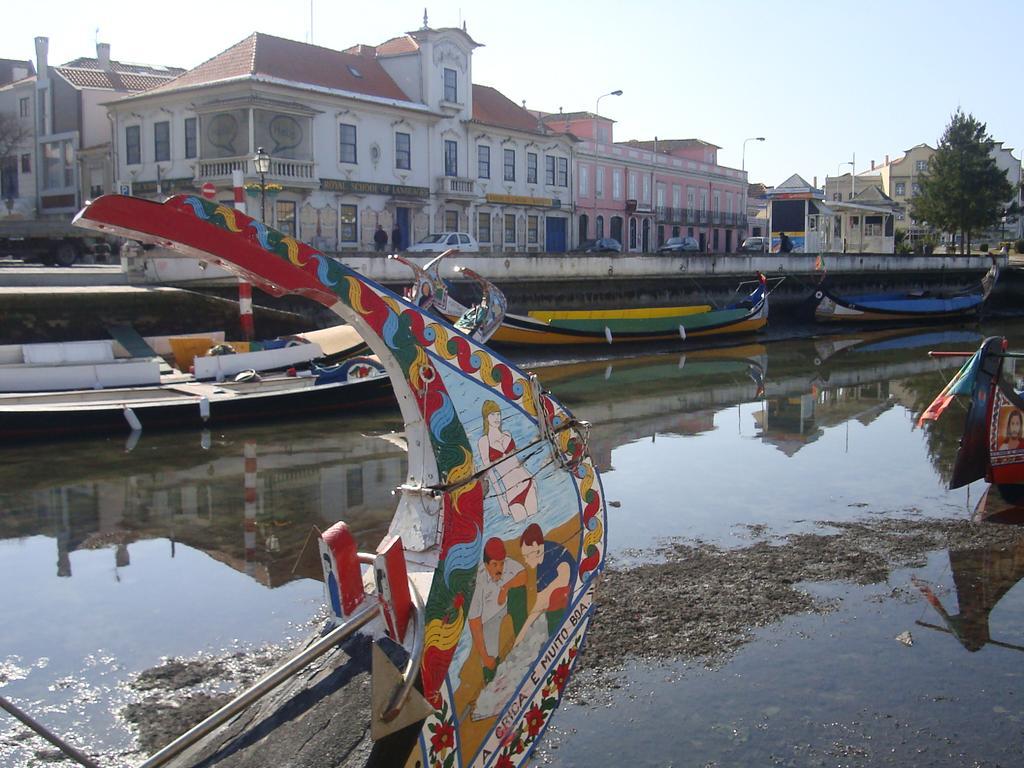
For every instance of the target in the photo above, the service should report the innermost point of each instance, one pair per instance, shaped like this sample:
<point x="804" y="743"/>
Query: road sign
<point x="209" y="191"/>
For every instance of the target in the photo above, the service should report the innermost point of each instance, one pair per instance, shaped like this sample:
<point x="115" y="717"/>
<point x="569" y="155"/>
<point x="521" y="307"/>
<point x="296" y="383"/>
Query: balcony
<point x="456" y="188"/>
<point x="282" y="170"/>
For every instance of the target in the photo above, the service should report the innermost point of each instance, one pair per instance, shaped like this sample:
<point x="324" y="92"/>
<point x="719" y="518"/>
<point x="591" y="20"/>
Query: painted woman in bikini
<point x="511" y="483"/>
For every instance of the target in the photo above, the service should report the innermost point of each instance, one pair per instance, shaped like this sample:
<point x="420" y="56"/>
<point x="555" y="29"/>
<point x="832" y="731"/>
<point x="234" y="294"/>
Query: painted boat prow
<point x="542" y="510"/>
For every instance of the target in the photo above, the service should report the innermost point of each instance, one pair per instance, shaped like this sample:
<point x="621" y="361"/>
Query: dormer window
<point x="355" y="72"/>
<point x="451" y="86"/>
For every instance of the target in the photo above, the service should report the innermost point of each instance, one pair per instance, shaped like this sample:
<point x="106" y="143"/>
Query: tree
<point x="963" y="190"/>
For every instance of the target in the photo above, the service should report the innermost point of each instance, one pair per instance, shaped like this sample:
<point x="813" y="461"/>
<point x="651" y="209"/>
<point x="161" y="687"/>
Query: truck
<point x="52" y="241"/>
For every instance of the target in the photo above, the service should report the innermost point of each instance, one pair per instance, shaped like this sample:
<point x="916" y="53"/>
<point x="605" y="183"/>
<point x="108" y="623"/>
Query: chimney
<point x="886" y="159"/>
<point x="42" y="51"/>
<point x="872" y="165"/>
<point x="815" y="185"/>
<point x="103" y="56"/>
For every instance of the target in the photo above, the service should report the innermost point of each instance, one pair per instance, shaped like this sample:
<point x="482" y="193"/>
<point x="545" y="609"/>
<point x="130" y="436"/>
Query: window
<point x="510" y="228"/>
<point x="451" y="221"/>
<point x="348" y="143"/>
<point x="58" y="165"/>
<point x="23" y="106"/>
<point x="549" y="170"/>
<point x="632" y="186"/>
<point x="347" y="217"/>
<point x="599" y="182"/>
<point x="451" y="158"/>
<point x="616" y="187"/>
<point x="162" y="141"/>
<point x="677" y="198"/>
<point x="716" y="204"/>
<point x="915" y="189"/>
<point x="647" y="188"/>
<point x="659" y="195"/>
<point x="132" y="145"/>
<point x="703" y="202"/>
<point x="632" y="234"/>
<point x="26" y="163"/>
<point x="837" y="196"/>
<point x="403" y="151"/>
<point x="854" y="221"/>
<point x="873" y="226"/>
<point x="451" y="85"/>
<point x="563" y="172"/>
<point x="584" y="172"/>
<point x="531" y="167"/>
<point x="510" y="165"/>
<point x="284" y="213"/>
<point x="599" y="227"/>
<point x="483" y="161"/>
<point x="190" y="137"/>
<point x="921" y="166"/>
<point x="532" y="228"/>
<point x="690" y="205"/>
<point x="901" y="189"/>
<point x="483" y="227"/>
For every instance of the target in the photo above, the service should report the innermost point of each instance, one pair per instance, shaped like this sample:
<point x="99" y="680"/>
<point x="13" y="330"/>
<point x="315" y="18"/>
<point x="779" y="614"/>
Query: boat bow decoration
<point x="502" y="514"/>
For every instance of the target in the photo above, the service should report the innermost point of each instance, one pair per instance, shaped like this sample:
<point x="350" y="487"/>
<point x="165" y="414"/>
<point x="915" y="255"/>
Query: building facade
<point x="395" y="135"/>
<point x="642" y="193"/>
<point x="66" y="158"/>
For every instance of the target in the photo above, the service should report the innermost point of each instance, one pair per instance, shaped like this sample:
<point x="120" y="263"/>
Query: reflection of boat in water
<point x="981" y="577"/>
<point x="449" y="534"/>
<point x="849" y="347"/>
<point x="607" y="326"/>
<point x="909" y="306"/>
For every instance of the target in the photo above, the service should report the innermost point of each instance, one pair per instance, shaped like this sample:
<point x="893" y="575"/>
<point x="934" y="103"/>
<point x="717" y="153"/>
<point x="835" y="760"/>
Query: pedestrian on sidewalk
<point x="380" y="237"/>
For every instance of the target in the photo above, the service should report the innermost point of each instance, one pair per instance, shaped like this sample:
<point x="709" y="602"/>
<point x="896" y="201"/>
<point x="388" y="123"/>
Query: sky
<point x="823" y="82"/>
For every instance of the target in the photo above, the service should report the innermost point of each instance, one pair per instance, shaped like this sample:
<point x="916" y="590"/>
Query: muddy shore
<point x="697" y="602"/>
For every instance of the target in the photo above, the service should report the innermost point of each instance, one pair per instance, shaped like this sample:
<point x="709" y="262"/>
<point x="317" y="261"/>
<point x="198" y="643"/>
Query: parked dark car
<point x="676" y="244"/>
<point x="754" y="245"/>
<point x="603" y="245"/>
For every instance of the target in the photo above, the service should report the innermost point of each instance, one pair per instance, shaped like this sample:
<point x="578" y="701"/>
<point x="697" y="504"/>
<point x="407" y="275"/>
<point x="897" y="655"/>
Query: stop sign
<point x="209" y="191"/>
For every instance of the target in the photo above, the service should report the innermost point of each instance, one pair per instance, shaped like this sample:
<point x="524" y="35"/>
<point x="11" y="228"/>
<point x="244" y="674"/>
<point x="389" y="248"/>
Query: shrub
<point x="983" y="247"/>
<point x="1019" y="246"/>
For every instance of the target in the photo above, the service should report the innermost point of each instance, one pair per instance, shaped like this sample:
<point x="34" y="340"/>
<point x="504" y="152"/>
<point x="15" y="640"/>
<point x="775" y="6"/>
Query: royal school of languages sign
<point x="372" y="188"/>
<point x="539" y="202"/>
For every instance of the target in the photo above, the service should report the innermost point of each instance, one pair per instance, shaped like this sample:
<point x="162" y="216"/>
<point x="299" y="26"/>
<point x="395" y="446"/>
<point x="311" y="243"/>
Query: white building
<point x="395" y="135"/>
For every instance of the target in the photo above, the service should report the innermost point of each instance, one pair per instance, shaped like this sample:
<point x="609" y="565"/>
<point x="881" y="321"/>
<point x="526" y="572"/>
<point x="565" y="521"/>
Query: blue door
<point x="555" y="235"/>
<point x="402" y="222"/>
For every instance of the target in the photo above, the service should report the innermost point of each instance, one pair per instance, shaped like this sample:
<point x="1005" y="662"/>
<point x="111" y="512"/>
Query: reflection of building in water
<point x="790" y="423"/>
<point x="313" y="481"/>
<point x="982" y="577"/>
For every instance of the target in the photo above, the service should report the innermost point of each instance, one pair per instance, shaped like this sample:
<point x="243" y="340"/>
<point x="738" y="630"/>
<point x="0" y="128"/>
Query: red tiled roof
<point x="492" y="107"/>
<point x="396" y="46"/>
<point x="668" y="145"/>
<point x="115" y="81"/>
<point x="269" y="56"/>
<point x="157" y="70"/>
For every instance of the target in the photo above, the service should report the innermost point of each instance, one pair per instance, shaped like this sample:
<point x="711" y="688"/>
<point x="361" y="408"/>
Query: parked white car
<point x="437" y="242"/>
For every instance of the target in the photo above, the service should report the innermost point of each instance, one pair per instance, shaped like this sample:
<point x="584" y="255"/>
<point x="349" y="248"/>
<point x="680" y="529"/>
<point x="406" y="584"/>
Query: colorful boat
<point x="605" y="326"/>
<point x="992" y="445"/>
<point x="911" y="306"/>
<point x="500" y="523"/>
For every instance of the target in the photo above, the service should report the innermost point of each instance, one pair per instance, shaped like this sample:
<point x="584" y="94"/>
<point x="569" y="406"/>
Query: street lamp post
<point x="743" y="156"/>
<point x="262" y="163"/>
<point x="597" y="113"/>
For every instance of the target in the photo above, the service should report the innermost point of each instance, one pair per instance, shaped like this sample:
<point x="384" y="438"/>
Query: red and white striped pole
<point x="244" y="288"/>
<point x="250" y="505"/>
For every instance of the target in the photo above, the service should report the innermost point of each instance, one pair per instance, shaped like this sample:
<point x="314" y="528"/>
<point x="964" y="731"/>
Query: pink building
<point x="642" y="193"/>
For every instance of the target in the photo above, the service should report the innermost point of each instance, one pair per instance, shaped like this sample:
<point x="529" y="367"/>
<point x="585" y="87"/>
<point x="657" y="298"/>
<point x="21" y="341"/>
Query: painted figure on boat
<point x="511" y="483"/>
<point x="491" y="604"/>
<point x="1011" y="433"/>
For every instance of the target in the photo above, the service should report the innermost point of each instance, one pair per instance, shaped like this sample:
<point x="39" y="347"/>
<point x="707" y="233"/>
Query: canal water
<point x="116" y="554"/>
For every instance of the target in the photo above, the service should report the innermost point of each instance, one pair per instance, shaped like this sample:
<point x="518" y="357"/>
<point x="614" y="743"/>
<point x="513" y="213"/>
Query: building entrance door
<point x="554" y="241"/>
<point x="403" y="219"/>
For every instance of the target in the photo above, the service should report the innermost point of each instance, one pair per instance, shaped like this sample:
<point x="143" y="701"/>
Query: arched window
<point x="583" y="226"/>
<point x="599" y="227"/>
<point x="632" y="234"/>
<point x="616" y="225"/>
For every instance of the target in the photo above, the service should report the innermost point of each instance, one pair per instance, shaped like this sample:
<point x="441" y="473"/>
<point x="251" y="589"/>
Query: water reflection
<point x="981" y="578"/>
<point x="248" y="501"/>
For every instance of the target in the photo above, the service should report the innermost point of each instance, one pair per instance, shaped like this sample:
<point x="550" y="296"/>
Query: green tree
<point x="963" y="190"/>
